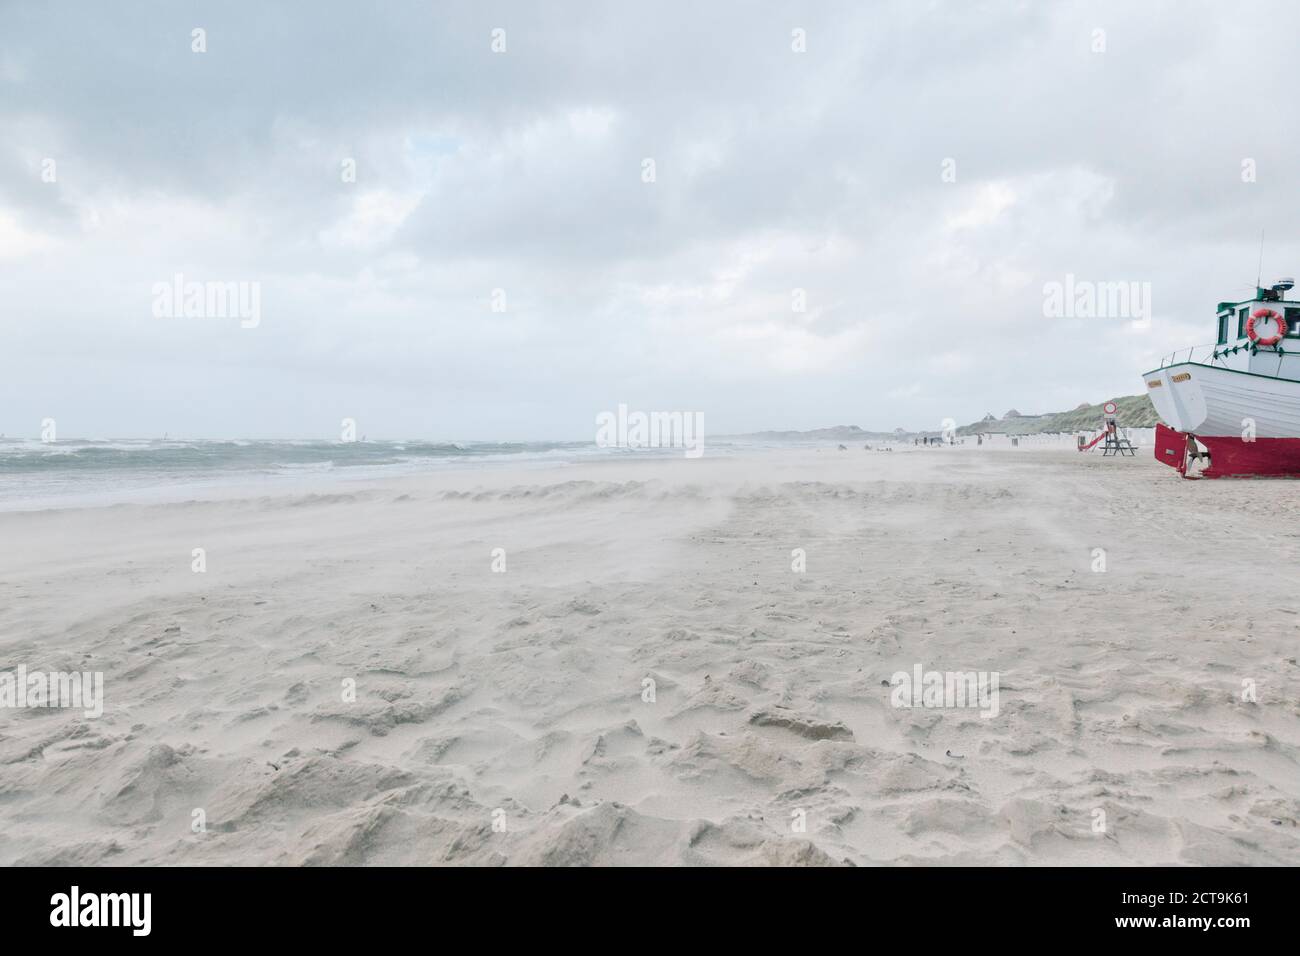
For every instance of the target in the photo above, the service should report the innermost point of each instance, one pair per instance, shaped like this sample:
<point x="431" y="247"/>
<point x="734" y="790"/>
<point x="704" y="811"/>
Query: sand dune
<point x="499" y="717"/>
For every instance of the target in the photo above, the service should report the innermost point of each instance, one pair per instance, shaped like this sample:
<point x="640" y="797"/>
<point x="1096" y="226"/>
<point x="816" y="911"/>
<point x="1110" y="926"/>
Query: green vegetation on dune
<point x="1134" y="411"/>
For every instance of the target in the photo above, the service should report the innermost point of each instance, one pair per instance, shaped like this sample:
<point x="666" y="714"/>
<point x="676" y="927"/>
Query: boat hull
<point x="1227" y="456"/>
<point x="1226" y="423"/>
<point x="1212" y="400"/>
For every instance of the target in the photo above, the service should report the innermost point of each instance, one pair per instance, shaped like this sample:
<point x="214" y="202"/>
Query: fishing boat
<point x="1232" y="409"/>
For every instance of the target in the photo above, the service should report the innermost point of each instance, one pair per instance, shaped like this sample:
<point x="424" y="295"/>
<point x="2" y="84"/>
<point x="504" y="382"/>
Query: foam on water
<point x="36" y="474"/>
<point x="89" y="472"/>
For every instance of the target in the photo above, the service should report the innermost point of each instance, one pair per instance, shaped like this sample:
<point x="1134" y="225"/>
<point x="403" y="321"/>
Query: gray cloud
<point x="522" y="171"/>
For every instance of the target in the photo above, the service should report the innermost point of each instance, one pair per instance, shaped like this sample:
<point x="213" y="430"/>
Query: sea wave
<point x="35" y="474"/>
<point x="28" y="456"/>
<point x="91" y="472"/>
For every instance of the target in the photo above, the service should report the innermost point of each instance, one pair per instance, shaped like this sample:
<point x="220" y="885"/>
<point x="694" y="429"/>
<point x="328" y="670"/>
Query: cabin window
<point x="1223" y="327"/>
<point x="1241" y="323"/>
<point x="1292" y="323"/>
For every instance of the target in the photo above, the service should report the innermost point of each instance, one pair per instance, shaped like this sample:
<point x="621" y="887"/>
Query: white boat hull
<point x="1212" y="401"/>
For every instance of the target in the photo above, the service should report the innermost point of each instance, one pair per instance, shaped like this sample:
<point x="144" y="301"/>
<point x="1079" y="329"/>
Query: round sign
<point x="1110" y="408"/>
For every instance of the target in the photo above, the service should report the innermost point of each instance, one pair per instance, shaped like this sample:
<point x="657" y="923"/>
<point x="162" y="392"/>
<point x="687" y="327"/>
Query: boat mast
<point x="1259" y="275"/>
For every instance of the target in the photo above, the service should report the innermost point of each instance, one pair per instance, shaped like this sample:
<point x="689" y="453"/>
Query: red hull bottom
<point x="1228" y="455"/>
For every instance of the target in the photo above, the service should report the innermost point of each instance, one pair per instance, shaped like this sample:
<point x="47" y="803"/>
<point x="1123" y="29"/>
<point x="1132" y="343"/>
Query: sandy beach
<point x="645" y="678"/>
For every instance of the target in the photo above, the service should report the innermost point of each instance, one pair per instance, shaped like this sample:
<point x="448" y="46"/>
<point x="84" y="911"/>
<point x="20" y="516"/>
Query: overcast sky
<point x="523" y="171"/>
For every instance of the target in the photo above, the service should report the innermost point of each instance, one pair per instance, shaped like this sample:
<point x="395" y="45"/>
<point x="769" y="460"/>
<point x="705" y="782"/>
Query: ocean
<point x="36" y="474"/>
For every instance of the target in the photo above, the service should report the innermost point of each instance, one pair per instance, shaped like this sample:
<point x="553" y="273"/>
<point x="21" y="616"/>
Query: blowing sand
<point x="499" y="716"/>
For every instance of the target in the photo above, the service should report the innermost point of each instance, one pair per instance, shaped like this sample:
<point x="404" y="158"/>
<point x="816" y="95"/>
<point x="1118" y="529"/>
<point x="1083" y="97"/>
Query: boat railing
<point x="1202" y="354"/>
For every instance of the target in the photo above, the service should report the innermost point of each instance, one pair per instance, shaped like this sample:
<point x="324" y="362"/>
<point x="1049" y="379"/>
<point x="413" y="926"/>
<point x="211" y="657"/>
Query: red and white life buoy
<point x="1260" y="315"/>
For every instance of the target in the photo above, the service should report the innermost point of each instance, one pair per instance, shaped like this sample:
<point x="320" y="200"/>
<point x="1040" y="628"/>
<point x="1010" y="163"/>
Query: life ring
<point x="1278" y="320"/>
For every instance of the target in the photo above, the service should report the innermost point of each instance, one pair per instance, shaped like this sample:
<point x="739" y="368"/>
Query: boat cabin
<point x="1233" y="348"/>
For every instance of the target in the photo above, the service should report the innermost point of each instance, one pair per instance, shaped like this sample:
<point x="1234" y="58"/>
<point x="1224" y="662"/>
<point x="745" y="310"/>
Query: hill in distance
<point x="1135" y="411"/>
<point x="843" y="433"/>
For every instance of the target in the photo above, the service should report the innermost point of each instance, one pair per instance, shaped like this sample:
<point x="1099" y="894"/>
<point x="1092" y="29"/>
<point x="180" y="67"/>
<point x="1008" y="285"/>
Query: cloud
<point x="777" y="173"/>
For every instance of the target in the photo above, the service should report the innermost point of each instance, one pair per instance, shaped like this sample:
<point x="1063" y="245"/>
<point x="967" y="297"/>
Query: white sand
<point x="522" y="691"/>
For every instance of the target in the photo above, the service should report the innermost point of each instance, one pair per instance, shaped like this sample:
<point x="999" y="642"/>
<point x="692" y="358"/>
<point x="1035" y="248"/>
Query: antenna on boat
<point x="1259" y="276"/>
